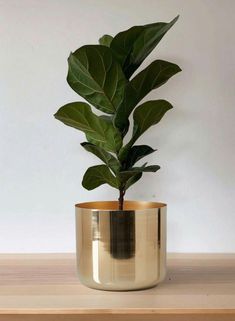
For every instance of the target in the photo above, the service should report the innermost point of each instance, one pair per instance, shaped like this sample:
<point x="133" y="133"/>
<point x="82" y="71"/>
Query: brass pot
<point x="121" y="250"/>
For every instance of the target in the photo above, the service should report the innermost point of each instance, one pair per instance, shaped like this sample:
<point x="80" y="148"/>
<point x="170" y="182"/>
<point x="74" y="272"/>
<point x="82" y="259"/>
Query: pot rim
<point x="129" y="205"/>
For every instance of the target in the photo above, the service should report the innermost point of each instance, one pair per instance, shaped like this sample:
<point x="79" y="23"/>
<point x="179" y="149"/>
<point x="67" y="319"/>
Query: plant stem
<point x="121" y="198"/>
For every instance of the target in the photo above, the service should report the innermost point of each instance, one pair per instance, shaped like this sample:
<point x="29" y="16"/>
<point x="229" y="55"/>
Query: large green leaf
<point x="96" y="76"/>
<point x="122" y="44"/>
<point x="102" y="154"/>
<point x="105" y="40"/>
<point x="136" y="153"/>
<point x="132" y="46"/>
<point x="147" y="41"/>
<point x="147" y="115"/>
<point x="97" y="130"/>
<point x="98" y="175"/>
<point x="155" y="75"/>
<point x="126" y="175"/>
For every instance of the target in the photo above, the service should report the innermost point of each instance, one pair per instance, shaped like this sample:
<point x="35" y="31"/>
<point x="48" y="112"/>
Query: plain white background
<point x="42" y="163"/>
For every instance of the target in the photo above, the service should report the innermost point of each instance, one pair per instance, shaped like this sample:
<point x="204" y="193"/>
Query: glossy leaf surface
<point x="132" y="46"/>
<point x="137" y="152"/>
<point x="147" y="115"/>
<point x="97" y="130"/>
<point x="96" y="76"/>
<point x="125" y="175"/>
<point x="99" y="175"/>
<point x="152" y="77"/>
<point x="102" y="154"/>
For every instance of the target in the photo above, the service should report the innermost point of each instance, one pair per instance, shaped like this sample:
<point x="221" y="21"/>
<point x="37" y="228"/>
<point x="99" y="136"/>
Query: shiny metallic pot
<point x="121" y="250"/>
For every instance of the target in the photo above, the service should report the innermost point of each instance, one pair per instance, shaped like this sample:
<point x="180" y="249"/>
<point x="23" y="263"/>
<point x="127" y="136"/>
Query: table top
<point x="47" y="283"/>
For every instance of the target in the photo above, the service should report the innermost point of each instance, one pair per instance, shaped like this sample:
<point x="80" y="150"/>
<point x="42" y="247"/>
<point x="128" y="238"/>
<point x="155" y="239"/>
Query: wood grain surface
<point x="37" y="287"/>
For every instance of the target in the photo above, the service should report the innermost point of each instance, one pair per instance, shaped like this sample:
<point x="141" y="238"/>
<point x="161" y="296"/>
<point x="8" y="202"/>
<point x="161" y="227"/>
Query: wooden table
<point x="45" y="287"/>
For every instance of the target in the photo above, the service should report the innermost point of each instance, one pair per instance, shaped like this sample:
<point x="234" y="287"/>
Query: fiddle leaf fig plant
<point x="103" y="75"/>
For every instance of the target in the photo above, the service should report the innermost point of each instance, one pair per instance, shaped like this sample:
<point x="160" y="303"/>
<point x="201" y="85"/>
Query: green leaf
<point x="124" y="110"/>
<point x="102" y="154"/>
<point x="105" y="40"/>
<point x="96" y="76"/>
<point x="97" y="130"/>
<point x="136" y="153"/>
<point x="155" y="75"/>
<point x="147" y="115"/>
<point x="122" y="43"/>
<point x="99" y="175"/>
<point x="132" y="180"/>
<point x="147" y="41"/>
<point x="125" y="175"/>
<point x="132" y="46"/>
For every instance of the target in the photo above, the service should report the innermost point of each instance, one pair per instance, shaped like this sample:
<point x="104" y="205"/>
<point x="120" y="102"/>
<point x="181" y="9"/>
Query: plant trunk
<point x="121" y="199"/>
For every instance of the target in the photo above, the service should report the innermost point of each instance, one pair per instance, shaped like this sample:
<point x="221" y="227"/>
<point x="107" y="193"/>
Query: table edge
<point x="132" y="311"/>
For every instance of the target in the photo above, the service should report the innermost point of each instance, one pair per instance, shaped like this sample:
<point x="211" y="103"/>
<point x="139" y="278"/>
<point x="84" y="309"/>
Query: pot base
<point x="114" y="288"/>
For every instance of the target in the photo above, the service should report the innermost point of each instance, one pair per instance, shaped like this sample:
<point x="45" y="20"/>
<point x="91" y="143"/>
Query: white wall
<point x="42" y="163"/>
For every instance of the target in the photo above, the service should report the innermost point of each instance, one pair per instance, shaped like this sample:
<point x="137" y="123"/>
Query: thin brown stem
<point x="121" y="199"/>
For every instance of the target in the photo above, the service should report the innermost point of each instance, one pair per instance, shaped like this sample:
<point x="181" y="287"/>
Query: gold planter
<point x="121" y="250"/>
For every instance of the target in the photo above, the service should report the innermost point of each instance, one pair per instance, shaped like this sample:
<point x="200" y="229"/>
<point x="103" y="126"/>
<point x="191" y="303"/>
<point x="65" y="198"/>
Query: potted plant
<point x="121" y="245"/>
